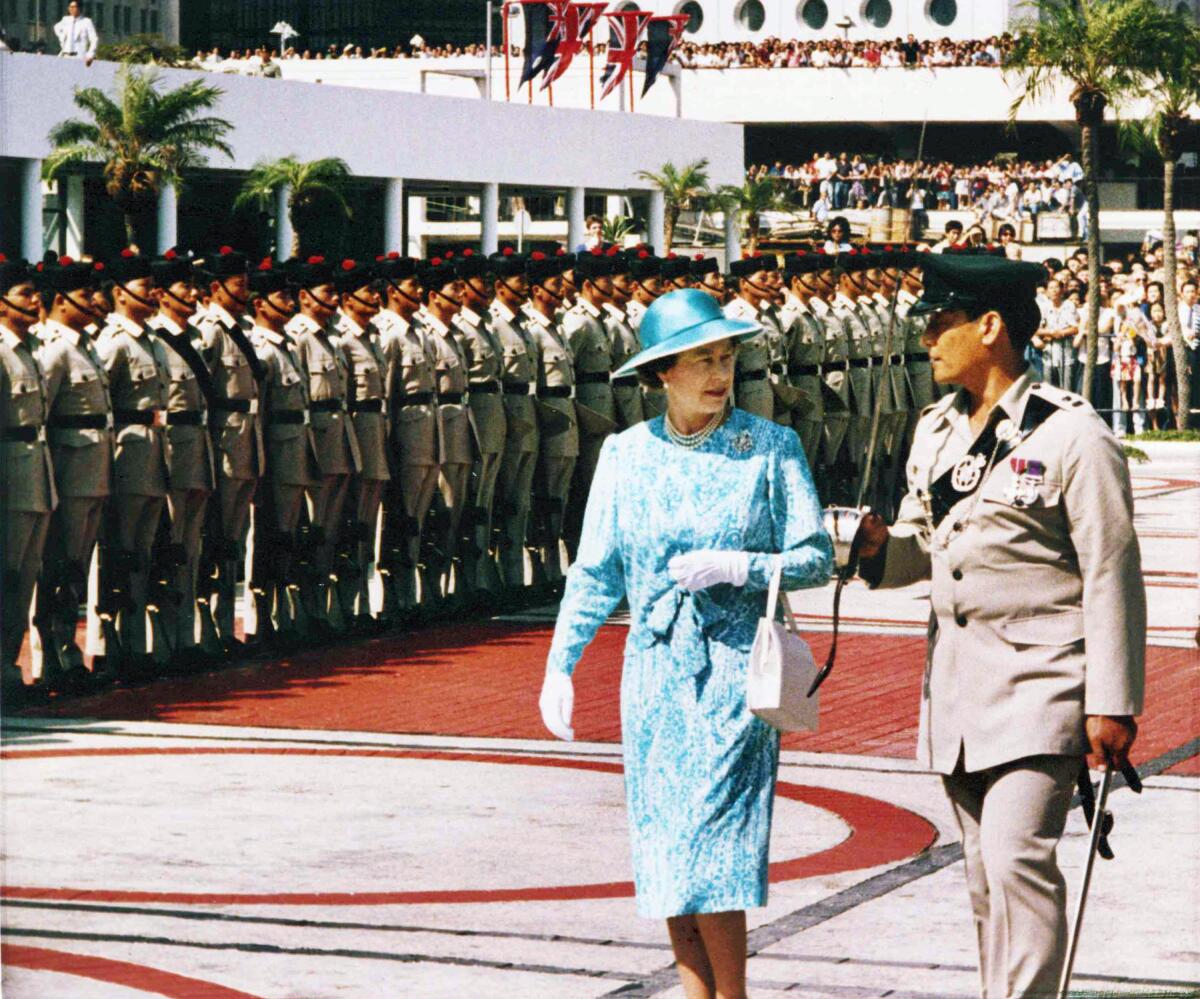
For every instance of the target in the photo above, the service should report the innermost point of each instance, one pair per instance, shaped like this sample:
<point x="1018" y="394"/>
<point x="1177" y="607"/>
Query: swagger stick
<point x="1098" y="824"/>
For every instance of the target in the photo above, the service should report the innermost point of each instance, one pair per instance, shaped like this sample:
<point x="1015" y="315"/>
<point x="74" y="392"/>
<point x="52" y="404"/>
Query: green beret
<point x="968" y="282"/>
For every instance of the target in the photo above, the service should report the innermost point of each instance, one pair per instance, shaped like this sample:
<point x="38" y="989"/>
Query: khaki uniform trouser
<point x="1011" y="818"/>
<point x="516" y="495"/>
<point x="75" y="526"/>
<point x="136" y="519"/>
<point x="233" y="498"/>
<point x="24" y="541"/>
<point x="187" y="507"/>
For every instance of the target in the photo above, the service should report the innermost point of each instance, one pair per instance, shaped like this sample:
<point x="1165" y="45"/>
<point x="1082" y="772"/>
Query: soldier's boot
<point x="487" y="577"/>
<point x="124" y="635"/>
<point x="162" y="605"/>
<point x="12" y="624"/>
<point x="551" y="550"/>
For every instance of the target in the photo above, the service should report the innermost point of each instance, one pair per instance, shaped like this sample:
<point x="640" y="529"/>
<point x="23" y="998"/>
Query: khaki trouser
<point x="71" y="542"/>
<point x="233" y="498"/>
<point x="187" y="508"/>
<point x="516" y="494"/>
<point x="24" y="539"/>
<point x="1011" y="818"/>
<point x="136" y="521"/>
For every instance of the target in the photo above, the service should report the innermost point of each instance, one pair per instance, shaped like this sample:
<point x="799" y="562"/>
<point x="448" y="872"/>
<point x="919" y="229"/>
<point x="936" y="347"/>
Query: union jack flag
<point x="663" y="36"/>
<point x="570" y="25"/>
<point x="624" y="31"/>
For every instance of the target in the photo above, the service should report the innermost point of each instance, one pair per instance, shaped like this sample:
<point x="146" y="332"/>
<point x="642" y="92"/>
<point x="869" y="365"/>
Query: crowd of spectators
<point x="416" y="49"/>
<point x="910" y="53"/>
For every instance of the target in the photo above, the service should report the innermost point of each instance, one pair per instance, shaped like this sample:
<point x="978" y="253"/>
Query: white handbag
<point x="781" y="668"/>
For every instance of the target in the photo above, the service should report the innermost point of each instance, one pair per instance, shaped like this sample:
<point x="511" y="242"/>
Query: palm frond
<point x="65" y="157"/>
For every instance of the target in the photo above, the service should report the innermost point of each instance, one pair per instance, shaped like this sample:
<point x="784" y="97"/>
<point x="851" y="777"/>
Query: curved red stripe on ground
<point x="104" y="969"/>
<point x="880" y="833"/>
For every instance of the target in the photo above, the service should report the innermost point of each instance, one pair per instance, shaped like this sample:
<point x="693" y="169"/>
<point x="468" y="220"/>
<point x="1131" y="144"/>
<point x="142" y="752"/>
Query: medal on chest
<point x="1027" y="478"/>
<point x="967" y="472"/>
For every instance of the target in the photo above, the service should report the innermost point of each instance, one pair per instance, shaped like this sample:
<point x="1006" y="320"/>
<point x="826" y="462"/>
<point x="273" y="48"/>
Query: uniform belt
<point x="593" y="378"/>
<point x="556" y="392"/>
<point x="80" y="421"/>
<point x="451" y="398"/>
<point x="778" y="369"/>
<point x="916" y="357"/>
<point x="327" y="405"/>
<point x="235" y="405"/>
<point x="141" y="417"/>
<point x="751" y="376"/>
<point x="484" y="388"/>
<point x="625" y="381"/>
<point x="860" y="362"/>
<point x="897" y="359"/>
<point x="803" y="369"/>
<point x="26" y="435"/>
<point x="516" y="388"/>
<point x="833" y="366"/>
<point x="366" y="406"/>
<point x="293" y="417"/>
<point x="187" y="418"/>
<point x="417" y="399"/>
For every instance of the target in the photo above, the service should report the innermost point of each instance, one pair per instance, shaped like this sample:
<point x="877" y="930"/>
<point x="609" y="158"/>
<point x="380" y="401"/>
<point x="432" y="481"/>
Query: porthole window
<point x="1184" y="10"/>
<point x="943" y="12"/>
<point x="751" y="15"/>
<point x="814" y="14"/>
<point x="695" y="15"/>
<point x="877" y="13"/>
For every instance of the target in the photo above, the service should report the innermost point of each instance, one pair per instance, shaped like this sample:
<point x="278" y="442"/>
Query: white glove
<point x="556" y="703"/>
<point x="701" y="569"/>
<point x="842" y="523"/>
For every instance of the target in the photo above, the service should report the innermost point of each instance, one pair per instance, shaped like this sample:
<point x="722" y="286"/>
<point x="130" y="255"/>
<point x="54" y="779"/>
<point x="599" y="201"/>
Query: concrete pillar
<point x="733" y="237"/>
<point x="283" y="223"/>
<point x="614" y="205"/>
<point x="416" y="226"/>
<point x="393" y="215"/>
<point x="72" y="202"/>
<point x="656" y="223"/>
<point x="168" y="218"/>
<point x="32" y="246"/>
<point x="489" y="218"/>
<point x="575" y="216"/>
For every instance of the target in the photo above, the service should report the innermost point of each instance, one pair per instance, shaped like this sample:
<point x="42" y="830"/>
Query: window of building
<point x="154" y="21"/>
<point x="751" y="15"/>
<point x="1184" y="10"/>
<point x="145" y="20"/>
<point x="630" y="6"/>
<point x="695" y="15"/>
<point x="814" y="13"/>
<point x="98" y="15"/>
<point x="128" y="19"/>
<point x="877" y="13"/>
<point x="943" y="12"/>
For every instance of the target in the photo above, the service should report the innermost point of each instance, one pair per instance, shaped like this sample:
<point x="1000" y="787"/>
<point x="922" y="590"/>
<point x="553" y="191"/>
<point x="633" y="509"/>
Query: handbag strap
<point x="775" y="596"/>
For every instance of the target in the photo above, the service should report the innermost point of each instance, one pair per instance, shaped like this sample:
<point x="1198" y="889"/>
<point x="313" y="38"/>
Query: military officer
<point x="627" y="391"/>
<point x="443" y="300"/>
<point x="570" y="292"/>
<point x="521" y="440"/>
<point x="1020" y="511"/>
<point x="329" y="386"/>
<point x="27" y="495"/>
<point x="645" y="274"/>
<point x="290" y="466"/>
<point x="191" y="474"/>
<point x="905" y="270"/>
<point x="367" y="403"/>
<point x="412" y="400"/>
<point x="806" y="353"/>
<point x="485" y="371"/>
<point x="79" y="426"/>
<point x="835" y="374"/>
<point x="139" y="378"/>
<point x="752" y="383"/>
<point x="593" y="349"/>
<point x="237" y="433"/>
<point x="676" y="272"/>
<point x="860" y="343"/>
<point x="557" y="420"/>
<point x="707" y="276"/>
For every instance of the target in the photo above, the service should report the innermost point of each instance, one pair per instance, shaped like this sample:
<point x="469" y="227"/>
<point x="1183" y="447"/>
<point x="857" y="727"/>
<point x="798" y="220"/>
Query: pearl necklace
<point x="692" y="441"/>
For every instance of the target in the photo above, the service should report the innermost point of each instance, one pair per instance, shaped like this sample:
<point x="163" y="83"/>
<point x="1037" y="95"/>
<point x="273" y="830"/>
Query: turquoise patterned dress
<point x="699" y="767"/>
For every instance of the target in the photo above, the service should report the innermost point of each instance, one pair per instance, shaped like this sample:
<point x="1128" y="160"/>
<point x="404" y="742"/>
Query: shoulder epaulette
<point x="1059" y="397"/>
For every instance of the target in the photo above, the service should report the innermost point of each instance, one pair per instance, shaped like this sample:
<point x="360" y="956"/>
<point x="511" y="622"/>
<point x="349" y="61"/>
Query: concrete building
<point x="31" y="22"/>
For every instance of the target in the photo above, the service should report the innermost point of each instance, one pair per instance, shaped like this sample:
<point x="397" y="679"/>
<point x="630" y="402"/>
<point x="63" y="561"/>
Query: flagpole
<point x="631" y="86"/>
<point x="592" y="70"/>
<point x="550" y="92"/>
<point x="507" y="81"/>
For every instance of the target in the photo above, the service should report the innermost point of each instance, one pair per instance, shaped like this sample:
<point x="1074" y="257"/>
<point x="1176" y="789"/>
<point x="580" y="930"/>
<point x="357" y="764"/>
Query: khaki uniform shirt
<point x="485" y="365"/>
<point x="238" y="436"/>
<point x="368" y="368"/>
<point x="1038" y="605"/>
<point x="139" y="378"/>
<point x="190" y="463"/>
<point x="291" y="451"/>
<point x="555" y="372"/>
<point x="328" y="384"/>
<point x="411" y="375"/>
<point x="805" y="353"/>
<point x="28" y="469"/>
<point x="593" y="349"/>
<point x="835" y="367"/>
<point x="627" y="392"/>
<point x="519" y="375"/>
<point x="77" y="386"/>
<point x="454" y="423"/>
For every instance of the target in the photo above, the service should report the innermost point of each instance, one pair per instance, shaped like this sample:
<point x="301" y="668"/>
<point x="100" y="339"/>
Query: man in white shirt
<point x="76" y="34"/>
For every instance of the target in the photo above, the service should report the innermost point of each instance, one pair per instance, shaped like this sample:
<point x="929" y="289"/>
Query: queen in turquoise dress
<point x="687" y="523"/>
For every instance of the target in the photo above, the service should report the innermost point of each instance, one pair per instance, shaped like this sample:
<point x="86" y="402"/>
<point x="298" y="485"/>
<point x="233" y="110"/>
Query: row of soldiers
<point x="363" y="439"/>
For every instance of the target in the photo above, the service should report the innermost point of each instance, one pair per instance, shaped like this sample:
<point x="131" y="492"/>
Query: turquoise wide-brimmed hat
<point x="681" y="320"/>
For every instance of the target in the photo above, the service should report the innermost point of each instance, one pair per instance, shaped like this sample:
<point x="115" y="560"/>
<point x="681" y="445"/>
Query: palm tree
<point x="315" y="188"/>
<point x="682" y="189"/>
<point x="749" y="201"/>
<point x="1173" y="88"/>
<point x="1101" y="48"/>
<point x="145" y="48"/>
<point x="145" y="137"/>
<point x="616" y="228"/>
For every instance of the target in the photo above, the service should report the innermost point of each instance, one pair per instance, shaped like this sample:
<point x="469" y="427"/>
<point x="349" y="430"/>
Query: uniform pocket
<point x="1062" y="628"/>
<point x="1027" y="496"/>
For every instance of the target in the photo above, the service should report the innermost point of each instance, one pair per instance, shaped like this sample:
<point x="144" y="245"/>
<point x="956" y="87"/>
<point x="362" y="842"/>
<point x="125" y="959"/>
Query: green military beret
<point x="954" y="281"/>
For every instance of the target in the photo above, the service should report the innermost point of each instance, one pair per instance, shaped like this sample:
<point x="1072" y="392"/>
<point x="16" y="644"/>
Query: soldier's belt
<point x="625" y="381"/>
<point x="593" y="378"/>
<point x="187" y="418"/>
<point x="81" y="421"/>
<point x="557" y="392"/>
<point x="451" y="398"/>
<point x="778" y="369"/>
<point x="860" y="362"/>
<point x="366" y="406"/>
<point x="803" y="369"/>
<point x="327" y="405"/>
<point x="834" y="366"/>
<point x="484" y="388"/>
<point x="517" y="388"/>
<point x="142" y="417"/>
<point x="750" y="376"/>
<point x="292" y="417"/>
<point x="417" y="399"/>
<point x="897" y="359"/>
<point x="235" y="405"/>
<point x="26" y="435"/>
<point x="916" y="357"/>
